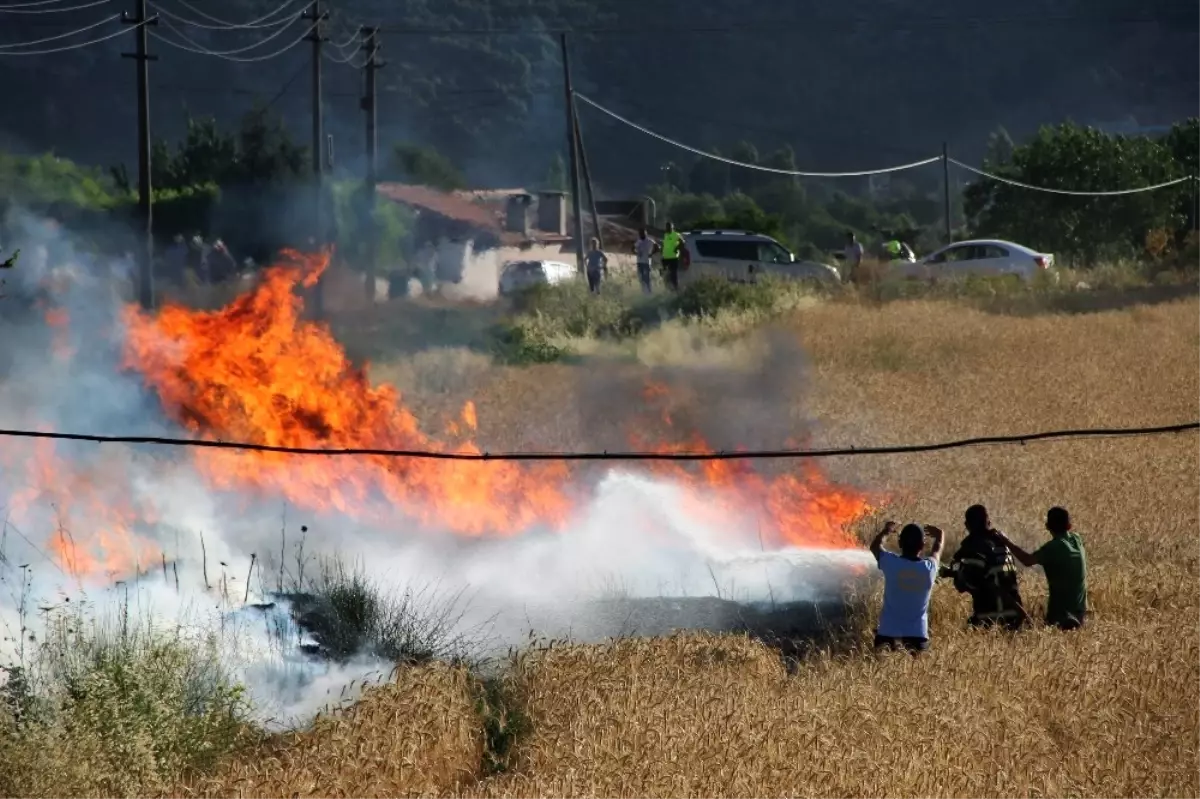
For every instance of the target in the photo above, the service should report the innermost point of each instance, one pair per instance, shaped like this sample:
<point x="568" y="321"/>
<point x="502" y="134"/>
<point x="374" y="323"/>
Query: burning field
<point x="213" y="524"/>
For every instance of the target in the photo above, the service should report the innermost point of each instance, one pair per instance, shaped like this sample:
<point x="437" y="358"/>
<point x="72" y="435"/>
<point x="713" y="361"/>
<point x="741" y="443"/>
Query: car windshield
<point x="523" y="268"/>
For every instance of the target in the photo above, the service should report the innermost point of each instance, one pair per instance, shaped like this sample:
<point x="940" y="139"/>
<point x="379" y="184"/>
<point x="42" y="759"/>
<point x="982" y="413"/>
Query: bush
<point x="348" y="614"/>
<point x="111" y="711"/>
<point x="709" y="295"/>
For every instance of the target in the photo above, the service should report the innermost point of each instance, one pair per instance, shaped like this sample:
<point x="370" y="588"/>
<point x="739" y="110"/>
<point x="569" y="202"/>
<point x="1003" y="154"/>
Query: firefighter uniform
<point x="984" y="568"/>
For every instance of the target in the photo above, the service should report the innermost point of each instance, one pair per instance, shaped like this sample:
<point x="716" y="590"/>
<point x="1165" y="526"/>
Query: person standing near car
<point x="852" y="257"/>
<point x="596" y="264"/>
<point x="644" y="249"/>
<point x="672" y="245"/>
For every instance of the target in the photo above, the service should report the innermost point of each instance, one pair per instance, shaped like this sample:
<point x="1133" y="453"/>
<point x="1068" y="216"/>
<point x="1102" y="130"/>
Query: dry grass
<point x="1113" y="710"/>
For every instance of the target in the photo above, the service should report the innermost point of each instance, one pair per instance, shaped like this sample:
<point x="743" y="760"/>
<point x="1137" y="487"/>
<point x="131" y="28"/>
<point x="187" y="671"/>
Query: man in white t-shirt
<point x="908" y="583"/>
<point x="643" y="249"/>
<point x="852" y="257"/>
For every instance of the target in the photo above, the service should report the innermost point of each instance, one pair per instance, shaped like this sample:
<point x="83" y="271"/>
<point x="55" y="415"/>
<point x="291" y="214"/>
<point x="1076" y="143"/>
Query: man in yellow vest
<point x="672" y="244"/>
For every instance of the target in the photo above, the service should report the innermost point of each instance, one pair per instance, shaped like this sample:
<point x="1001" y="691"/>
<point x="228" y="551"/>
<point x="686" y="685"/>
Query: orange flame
<point x="255" y="371"/>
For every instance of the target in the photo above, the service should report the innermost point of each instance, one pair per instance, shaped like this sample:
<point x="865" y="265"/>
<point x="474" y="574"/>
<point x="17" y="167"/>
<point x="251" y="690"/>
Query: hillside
<point x="866" y="84"/>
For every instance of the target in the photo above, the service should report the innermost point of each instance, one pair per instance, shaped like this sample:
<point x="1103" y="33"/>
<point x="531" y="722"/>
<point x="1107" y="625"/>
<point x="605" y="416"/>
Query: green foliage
<point x="711" y="295"/>
<point x="740" y="212"/>
<point x="412" y="163"/>
<point x="113" y="711"/>
<point x="260" y="152"/>
<point x="354" y="209"/>
<point x="39" y="182"/>
<point x="1085" y="229"/>
<point x="556" y="176"/>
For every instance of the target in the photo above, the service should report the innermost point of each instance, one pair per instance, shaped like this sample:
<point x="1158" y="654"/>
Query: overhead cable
<point x="26" y="8"/>
<point x="78" y="46"/>
<point x="1115" y="193"/>
<point x="227" y="57"/>
<point x="202" y="49"/>
<point x="56" y="37"/>
<point x="758" y="167"/>
<point x="261" y="22"/>
<point x="1111" y="432"/>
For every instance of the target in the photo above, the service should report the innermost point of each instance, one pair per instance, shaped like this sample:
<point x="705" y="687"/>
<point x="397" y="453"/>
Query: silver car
<point x="741" y="257"/>
<point x="978" y="258"/>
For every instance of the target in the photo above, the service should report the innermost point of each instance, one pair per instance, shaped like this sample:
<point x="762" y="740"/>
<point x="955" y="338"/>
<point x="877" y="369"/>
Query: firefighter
<point x="984" y="568"/>
<point x="672" y="244"/>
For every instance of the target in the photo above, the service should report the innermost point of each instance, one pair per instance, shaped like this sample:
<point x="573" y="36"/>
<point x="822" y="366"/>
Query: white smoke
<point x="630" y="537"/>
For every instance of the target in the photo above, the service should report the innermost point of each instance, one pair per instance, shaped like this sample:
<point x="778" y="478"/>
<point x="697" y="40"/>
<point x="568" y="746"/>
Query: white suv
<point x="741" y="257"/>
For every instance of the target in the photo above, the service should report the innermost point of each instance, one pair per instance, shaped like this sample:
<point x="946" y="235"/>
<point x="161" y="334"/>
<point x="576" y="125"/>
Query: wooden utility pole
<point x="587" y="177"/>
<point x="145" y="204"/>
<point x="316" y="15"/>
<point x="371" y="45"/>
<point x="946" y="193"/>
<point x="573" y="155"/>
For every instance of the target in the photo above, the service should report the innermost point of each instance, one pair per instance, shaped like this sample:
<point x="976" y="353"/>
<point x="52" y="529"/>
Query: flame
<point x="255" y="371"/>
<point x="802" y="508"/>
<point x="94" y="515"/>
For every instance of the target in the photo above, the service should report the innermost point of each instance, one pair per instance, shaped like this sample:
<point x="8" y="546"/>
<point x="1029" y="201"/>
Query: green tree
<point x="1074" y="158"/>
<point x="413" y="163"/>
<point x="556" y="176"/>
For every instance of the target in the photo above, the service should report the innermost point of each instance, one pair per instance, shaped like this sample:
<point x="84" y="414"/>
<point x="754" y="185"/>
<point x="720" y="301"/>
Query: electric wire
<point x="25" y="10"/>
<point x="758" y="167"/>
<point x="58" y="36"/>
<point x="78" y="46"/>
<point x="1114" y="193"/>
<point x="248" y="60"/>
<point x="260" y="22"/>
<point x="221" y="53"/>
<point x="778" y="454"/>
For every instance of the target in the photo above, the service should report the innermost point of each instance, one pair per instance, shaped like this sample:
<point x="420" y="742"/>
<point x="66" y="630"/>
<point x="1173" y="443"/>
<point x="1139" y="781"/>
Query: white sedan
<point x="979" y="258"/>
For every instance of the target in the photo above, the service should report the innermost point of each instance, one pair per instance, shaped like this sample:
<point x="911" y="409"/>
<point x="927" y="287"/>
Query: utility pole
<point x="145" y="205"/>
<point x="572" y="150"/>
<point x="371" y="45"/>
<point x="316" y="36"/>
<point x="587" y="177"/>
<point x="946" y="192"/>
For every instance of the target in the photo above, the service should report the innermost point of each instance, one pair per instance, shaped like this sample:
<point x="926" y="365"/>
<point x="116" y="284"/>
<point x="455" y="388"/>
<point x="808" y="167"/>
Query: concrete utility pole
<point x="587" y="177"/>
<point x="371" y="45"/>
<point x="572" y="150"/>
<point x="146" y="256"/>
<point x="317" y="37"/>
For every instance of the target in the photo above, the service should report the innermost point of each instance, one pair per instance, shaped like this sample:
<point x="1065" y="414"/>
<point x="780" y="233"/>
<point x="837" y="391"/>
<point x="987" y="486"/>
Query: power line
<point x="1116" y="432"/>
<point x="1116" y="193"/>
<point x="260" y="22"/>
<point x="69" y="34"/>
<point x="202" y="49"/>
<point x="26" y="10"/>
<point x="655" y="27"/>
<point x="252" y="59"/>
<point x="79" y="46"/>
<point x="203" y="26"/>
<point x="757" y="167"/>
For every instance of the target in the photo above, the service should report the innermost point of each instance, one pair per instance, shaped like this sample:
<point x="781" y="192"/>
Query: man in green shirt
<point x="672" y="243"/>
<point x="1064" y="561"/>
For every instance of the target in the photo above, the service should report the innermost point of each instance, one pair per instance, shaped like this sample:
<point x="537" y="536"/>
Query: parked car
<point x="977" y="258"/>
<point x="518" y="275"/>
<point x="741" y="257"/>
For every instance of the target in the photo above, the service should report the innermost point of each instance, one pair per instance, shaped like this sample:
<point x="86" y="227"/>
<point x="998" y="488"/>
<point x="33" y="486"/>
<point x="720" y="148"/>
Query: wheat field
<point x="1113" y="710"/>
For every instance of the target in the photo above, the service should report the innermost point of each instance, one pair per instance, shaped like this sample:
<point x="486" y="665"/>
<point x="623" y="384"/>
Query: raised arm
<point x="1024" y="558"/>
<point x="938" y="541"/>
<point x="877" y="542"/>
